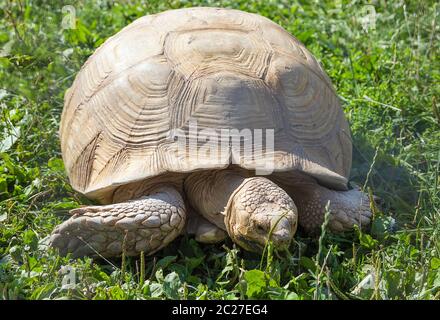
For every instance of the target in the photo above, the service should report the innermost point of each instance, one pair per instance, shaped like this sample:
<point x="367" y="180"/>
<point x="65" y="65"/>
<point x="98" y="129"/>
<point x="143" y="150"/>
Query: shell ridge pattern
<point x="223" y="68"/>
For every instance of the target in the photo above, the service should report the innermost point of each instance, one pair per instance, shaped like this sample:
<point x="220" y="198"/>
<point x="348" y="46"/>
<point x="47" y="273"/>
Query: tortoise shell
<point x="224" y="69"/>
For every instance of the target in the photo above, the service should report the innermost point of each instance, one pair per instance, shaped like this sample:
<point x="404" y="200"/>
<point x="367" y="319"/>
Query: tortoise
<point x="140" y="95"/>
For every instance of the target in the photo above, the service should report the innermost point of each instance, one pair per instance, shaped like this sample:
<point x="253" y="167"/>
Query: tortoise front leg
<point x="347" y="208"/>
<point x="145" y="224"/>
<point x="203" y="230"/>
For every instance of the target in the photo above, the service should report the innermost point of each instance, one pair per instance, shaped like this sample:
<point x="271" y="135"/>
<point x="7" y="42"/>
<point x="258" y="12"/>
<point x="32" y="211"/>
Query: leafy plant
<point x="387" y="79"/>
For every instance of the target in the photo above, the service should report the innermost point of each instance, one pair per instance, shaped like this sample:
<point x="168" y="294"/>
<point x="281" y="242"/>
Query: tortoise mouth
<point x="258" y="247"/>
<point x="250" y="245"/>
<point x="256" y="240"/>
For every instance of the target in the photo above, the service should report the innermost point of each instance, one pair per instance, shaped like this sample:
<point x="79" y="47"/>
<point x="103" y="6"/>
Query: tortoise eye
<point x="260" y="227"/>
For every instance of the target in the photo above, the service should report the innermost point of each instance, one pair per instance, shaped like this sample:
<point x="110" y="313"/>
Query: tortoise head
<point x="259" y="212"/>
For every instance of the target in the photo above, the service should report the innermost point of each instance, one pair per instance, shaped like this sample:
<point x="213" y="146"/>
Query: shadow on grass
<point x="388" y="180"/>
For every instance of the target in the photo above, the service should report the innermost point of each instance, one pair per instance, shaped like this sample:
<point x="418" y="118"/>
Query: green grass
<point x="388" y="80"/>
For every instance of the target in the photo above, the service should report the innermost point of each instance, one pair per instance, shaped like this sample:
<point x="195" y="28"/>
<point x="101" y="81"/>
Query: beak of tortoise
<point x="279" y="231"/>
<point x="283" y="230"/>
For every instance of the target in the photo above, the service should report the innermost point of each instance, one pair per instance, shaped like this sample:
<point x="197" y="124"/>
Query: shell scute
<point x="226" y="69"/>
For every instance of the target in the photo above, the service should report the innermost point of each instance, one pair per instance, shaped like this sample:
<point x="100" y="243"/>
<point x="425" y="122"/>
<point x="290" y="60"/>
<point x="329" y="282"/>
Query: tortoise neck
<point x="210" y="193"/>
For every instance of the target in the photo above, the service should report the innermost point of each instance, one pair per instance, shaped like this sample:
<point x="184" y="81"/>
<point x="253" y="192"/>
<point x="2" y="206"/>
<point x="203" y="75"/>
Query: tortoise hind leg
<point x="145" y="224"/>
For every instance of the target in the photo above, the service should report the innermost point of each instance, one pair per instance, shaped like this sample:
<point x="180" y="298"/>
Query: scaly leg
<point x="347" y="208"/>
<point x="204" y="231"/>
<point x="145" y="224"/>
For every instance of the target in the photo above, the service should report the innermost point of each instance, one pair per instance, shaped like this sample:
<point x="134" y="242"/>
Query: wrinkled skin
<point x="251" y="210"/>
